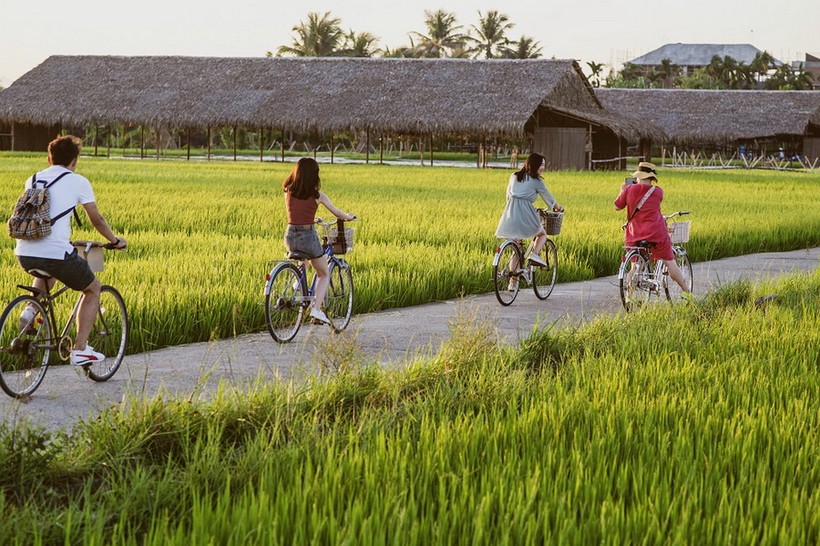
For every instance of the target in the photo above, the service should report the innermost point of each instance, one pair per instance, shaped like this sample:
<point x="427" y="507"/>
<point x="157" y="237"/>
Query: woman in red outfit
<point x="648" y="223"/>
<point x="302" y="200"/>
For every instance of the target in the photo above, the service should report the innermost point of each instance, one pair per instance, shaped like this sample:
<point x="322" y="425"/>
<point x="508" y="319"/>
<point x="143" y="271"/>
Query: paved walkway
<point x="392" y="337"/>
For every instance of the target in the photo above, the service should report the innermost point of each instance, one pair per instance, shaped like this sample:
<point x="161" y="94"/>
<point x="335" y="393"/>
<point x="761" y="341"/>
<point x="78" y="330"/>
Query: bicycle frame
<point x="62" y="343"/>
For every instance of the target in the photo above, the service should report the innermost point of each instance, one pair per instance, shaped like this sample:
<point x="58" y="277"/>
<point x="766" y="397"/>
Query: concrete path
<point x="392" y="337"/>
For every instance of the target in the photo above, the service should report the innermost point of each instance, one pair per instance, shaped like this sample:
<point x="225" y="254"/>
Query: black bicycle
<point x="29" y="326"/>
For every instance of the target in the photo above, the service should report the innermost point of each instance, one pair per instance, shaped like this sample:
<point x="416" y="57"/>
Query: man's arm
<point x="99" y="223"/>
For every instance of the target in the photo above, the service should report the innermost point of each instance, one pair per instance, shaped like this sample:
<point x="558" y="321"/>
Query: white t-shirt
<point x="70" y="190"/>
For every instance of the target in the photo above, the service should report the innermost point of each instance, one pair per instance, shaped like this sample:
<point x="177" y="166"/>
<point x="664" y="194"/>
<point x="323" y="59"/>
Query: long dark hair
<point x="531" y="166"/>
<point x="303" y="181"/>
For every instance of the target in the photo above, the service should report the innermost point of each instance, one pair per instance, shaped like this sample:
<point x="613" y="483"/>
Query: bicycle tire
<point x="506" y="276"/>
<point x="339" y="297"/>
<point x="634" y="271"/>
<point x="673" y="291"/>
<point x="25" y="349"/>
<point x="285" y="295"/>
<point x="543" y="278"/>
<point x="109" y="335"/>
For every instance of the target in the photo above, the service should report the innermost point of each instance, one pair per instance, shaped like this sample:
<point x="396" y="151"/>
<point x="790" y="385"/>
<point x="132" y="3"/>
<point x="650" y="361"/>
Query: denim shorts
<point x="303" y="239"/>
<point x="73" y="270"/>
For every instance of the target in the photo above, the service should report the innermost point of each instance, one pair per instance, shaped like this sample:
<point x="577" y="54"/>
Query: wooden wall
<point x="564" y="147"/>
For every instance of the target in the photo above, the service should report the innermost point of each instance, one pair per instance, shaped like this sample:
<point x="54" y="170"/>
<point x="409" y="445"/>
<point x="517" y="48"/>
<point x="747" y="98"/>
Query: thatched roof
<point x="693" y="116"/>
<point x="326" y="94"/>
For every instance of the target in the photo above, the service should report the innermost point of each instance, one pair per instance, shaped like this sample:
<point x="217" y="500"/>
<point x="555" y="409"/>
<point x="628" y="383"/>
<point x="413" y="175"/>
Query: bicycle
<point x="288" y="295"/>
<point x="640" y="280"/>
<point x="27" y="340"/>
<point x="509" y="270"/>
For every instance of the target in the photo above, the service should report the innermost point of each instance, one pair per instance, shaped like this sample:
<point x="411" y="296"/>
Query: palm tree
<point x="319" y="36"/>
<point x="668" y="73"/>
<point x="525" y="48"/>
<point x="761" y="64"/>
<point x="595" y="77"/>
<point x="360" y="44"/>
<point x="490" y="33"/>
<point x="443" y="36"/>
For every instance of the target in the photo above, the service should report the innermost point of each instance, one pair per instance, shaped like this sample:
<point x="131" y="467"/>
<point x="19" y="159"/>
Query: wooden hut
<point x="548" y="101"/>
<point x="759" y="122"/>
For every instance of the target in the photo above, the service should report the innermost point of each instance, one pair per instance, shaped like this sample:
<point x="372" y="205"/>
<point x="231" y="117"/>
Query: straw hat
<point x="645" y="170"/>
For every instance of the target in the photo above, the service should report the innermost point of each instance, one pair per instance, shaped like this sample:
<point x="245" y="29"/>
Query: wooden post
<point x="234" y="142"/>
<point x="96" y="138"/>
<point x="261" y="143"/>
<point x="421" y="150"/>
<point x="108" y="140"/>
<point x="381" y="149"/>
<point x="431" y="149"/>
<point x="283" y="144"/>
<point x="188" y="143"/>
<point x="331" y="148"/>
<point x="209" y="143"/>
<point x="367" y="147"/>
<point x="157" y="134"/>
<point x="142" y="141"/>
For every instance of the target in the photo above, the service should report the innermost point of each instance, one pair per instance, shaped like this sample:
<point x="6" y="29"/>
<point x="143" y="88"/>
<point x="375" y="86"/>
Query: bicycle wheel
<point x="672" y="289"/>
<point x="507" y="267"/>
<point x="25" y="346"/>
<point x="109" y="334"/>
<point x="543" y="278"/>
<point x="285" y="295"/>
<point x="634" y="275"/>
<point x="339" y="298"/>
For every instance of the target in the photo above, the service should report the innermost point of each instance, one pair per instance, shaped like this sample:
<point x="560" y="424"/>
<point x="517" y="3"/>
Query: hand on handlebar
<point x="120" y="244"/>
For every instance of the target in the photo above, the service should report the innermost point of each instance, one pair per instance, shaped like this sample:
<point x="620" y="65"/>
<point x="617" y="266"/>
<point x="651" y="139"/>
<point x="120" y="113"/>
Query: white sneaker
<point x="319" y="315"/>
<point x="536" y="259"/>
<point x="86" y="356"/>
<point x="512" y="286"/>
<point x="26" y="317"/>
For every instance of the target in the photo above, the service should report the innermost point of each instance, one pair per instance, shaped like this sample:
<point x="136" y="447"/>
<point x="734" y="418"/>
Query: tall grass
<point x="201" y="234"/>
<point x="698" y="426"/>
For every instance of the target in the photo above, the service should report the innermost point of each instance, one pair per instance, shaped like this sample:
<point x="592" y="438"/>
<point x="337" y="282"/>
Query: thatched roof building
<point x="721" y="118"/>
<point x="410" y="96"/>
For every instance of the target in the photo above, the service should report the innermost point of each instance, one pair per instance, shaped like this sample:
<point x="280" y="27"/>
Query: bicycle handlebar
<point x="92" y="244"/>
<point x="320" y="220"/>
<point x="679" y="213"/>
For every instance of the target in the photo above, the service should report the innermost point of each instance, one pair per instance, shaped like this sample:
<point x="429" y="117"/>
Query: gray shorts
<point x="303" y="239"/>
<point x="73" y="271"/>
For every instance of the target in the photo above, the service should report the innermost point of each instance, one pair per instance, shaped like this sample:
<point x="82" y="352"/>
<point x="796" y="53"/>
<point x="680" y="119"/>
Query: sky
<point x="603" y="31"/>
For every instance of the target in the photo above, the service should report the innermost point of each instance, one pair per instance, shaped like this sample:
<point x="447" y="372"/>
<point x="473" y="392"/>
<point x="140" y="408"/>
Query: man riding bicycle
<point x="54" y="253"/>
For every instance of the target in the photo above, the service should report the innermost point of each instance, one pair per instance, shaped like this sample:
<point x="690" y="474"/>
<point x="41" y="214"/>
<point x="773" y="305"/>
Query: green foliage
<point x="678" y="424"/>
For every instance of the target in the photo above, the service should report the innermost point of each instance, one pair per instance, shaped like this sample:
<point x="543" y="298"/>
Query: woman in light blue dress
<point x="520" y="220"/>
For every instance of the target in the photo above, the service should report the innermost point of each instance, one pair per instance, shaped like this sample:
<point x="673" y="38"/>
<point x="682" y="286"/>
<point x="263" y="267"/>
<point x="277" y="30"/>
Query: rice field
<point x="698" y="427"/>
<point x="202" y="234"/>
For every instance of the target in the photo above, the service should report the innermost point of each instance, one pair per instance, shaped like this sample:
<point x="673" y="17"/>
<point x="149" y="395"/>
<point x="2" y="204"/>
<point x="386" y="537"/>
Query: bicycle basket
<point x="341" y="244"/>
<point x="551" y="221"/>
<point x="679" y="232"/>
<point x="94" y="257"/>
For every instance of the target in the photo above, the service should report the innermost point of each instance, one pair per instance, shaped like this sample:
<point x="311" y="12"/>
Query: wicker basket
<point x="551" y="221"/>
<point x="343" y="244"/>
<point x="679" y="232"/>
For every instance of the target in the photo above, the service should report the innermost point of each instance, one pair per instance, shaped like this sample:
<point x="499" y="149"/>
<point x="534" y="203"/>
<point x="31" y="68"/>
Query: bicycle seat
<point x="39" y="273"/>
<point x="296" y="255"/>
<point x="645" y="244"/>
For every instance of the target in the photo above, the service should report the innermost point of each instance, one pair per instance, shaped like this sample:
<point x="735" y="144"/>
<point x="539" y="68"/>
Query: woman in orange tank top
<point x="302" y="200"/>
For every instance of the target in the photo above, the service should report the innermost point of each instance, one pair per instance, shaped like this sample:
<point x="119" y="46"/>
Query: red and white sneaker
<point x="86" y="356"/>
